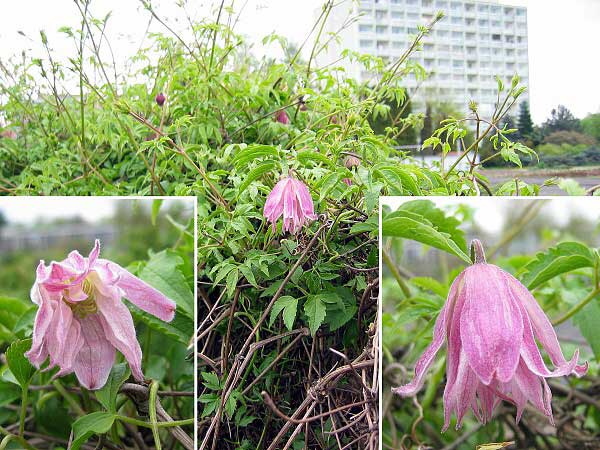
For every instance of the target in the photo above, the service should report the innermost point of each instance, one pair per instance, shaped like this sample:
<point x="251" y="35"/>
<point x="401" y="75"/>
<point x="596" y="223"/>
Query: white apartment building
<point x="475" y="41"/>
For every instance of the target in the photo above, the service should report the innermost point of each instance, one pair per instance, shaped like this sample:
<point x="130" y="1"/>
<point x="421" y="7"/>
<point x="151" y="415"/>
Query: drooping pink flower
<point x="282" y="117"/>
<point x="348" y="181"/>
<point x="291" y="199"/>
<point x="491" y="322"/>
<point x="82" y="319"/>
<point x="160" y="99"/>
<point x="8" y="134"/>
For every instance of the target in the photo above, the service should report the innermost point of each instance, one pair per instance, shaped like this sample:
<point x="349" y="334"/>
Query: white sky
<point x="563" y="37"/>
<point x="490" y="217"/>
<point x="27" y="210"/>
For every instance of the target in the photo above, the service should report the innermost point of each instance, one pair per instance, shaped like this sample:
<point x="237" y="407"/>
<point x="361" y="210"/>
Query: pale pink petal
<point x="71" y="349"/>
<point x="462" y="393"/>
<point x="56" y="335"/>
<point x="439" y="334"/>
<point x="96" y="356"/>
<point x="542" y="328"/>
<point x="118" y="327"/>
<point x="43" y="318"/>
<point x="491" y="325"/>
<point x="141" y="294"/>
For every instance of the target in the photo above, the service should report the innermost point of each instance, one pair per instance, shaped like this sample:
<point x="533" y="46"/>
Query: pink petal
<point x="462" y="392"/>
<point x="439" y="334"/>
<point x="542" y="328"/>
<point x="56" y="335"/>
<point x="38" y="352"/>
<point x="71" y="349"/>
<point x="142" y="294"/>
<point x="491" y="326"/>
<point x="118" y="327"/>
<point x="97" y="355"/>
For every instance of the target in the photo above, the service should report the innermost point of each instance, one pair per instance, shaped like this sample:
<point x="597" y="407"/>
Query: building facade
<point x="475" y="41"/>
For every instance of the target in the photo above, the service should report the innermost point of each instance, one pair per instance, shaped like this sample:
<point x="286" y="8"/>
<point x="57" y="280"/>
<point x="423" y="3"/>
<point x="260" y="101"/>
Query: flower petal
<point x="439" y="335"/>
<point x="96" y="356"/>
<point x="491" y="326"/>
<point x="142" y="294"/>
<point x="43" y="318"/>
<point x="542" y="328"/>
<point x="119" y="329"/>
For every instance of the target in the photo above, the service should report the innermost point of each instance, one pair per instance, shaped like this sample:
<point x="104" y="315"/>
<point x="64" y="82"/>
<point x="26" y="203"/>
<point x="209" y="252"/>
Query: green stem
<point x="153" y="420"/>
<point x="141" y="423"/>
<point x="69" y="398"/>
<point x="9" y="437"/>
<point x="575" y="309"/>
<point x="395" y="273"/>
<point x="24" y="394"/>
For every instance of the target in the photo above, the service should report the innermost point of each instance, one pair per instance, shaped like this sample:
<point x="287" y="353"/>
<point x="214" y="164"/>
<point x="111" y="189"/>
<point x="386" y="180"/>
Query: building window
<point x="379" y="15"/>
<point x="398" y="44"/>
<point x="457" y="35"/>
<point x="382" y="45"/>
<point x="366" y="13"/>
<point x="521" y="12"/>
<point x="444" y="48"/>
<point x="442" y="33"/>
<point x="441" y="4"/>
<point x="397" y="14"/>
<point x="381" y="29"/>
<point x="412" y="16"/>
<point x="483" y="22"/>
<point x="365" y="28"/>
<point x="456" y="6"/>
<point x="397" y="30"/>
<point x="483" y="8"/>
<point x="496" y="23"/>
<point x="496" y="37"/>
<point x="496" y="9"/>
<point x="458" y="63"/>
<point x="457" y="20"/>
<point x="484" y="50"/>
<point x="470" y="36"/>
<point x="366" y="43"/>
<point x="457" y="48"/>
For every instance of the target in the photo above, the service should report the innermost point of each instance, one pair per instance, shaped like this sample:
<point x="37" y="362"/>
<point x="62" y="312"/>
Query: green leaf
<point x="18" y="364"/>
<point x="315" y="309"/>
<point x="409" y="225"/>
<point x="162" y="273"/>
<point x="107" y="395"/>
<point x="255" y="174"/>
<point x="588" y="322"/>
<point x="251" y="153"/>
<point x="156" y="204"/>
<point x="441" y="221"/>
<point x="563" y="258"/>
<point x="211" y="381"/>
<point x="87" y="426"/>
<point x="181" y="328"/>
<point x="289" y="306"/>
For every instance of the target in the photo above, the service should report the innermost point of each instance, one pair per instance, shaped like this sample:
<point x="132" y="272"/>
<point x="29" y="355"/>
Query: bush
<point x="560" y="149"/>
<point x="569" y="137"/>
<point x="589" y="157"/>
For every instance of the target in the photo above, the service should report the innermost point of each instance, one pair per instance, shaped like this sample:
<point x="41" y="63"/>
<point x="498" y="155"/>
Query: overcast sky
<point x="27" y="210"/>
<point x="563" y="37"/>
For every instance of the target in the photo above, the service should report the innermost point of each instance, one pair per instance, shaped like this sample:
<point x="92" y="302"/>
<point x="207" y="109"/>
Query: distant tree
<point x="525" y="124"/>
<point x="561" y="119"/>
<point x="427" y="129"/>
<point x="591" y="126"/>
<point x="397" y="111"/>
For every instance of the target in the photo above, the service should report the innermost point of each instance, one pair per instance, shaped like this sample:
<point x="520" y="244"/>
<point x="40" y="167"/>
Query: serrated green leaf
<point x="409" y="225"/>
<point x="255" y="174"/>
<point x="563" y="258"/>
<point x="588" y="322"/>
<point x="316" y="310"/>
<point x="162" y="273"/>
<point x="89" y="425"/>
<point x="18" y="363"/>
<point x="107" y="395"/>
<point x="289" y="306"/>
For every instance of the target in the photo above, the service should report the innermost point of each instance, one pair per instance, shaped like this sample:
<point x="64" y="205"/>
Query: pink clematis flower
<point x="291" y="199"/>
<point x="491" y="323"/>
<point x="82" y="319"/>
<point x="282" y="117"/>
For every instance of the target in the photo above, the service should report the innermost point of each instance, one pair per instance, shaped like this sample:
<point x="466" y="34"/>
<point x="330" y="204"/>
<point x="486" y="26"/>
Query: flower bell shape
<point x="82" y="320"/>
<point x="282" y="117"/>
<point x="491" y="322"/>
<point x="291" y="199"/>
<point x="351" y="161"/>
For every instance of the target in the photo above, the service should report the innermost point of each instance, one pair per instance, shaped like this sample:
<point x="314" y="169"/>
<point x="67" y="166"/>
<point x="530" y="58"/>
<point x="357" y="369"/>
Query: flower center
<point x="87" y="306"/>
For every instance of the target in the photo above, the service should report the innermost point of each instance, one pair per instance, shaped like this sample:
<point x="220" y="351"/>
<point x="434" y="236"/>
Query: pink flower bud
<point x="490" y="322"/>
<point x="82" y="320"/>
<point x="8" y="134"/>
<point x="291" y="199"/>
<point x="348" y="181"/>
<point x="282" y="117"/>
<point x="160" y="99"/>
<point x="351" y="161"/>
<point x="303" y="106"/>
